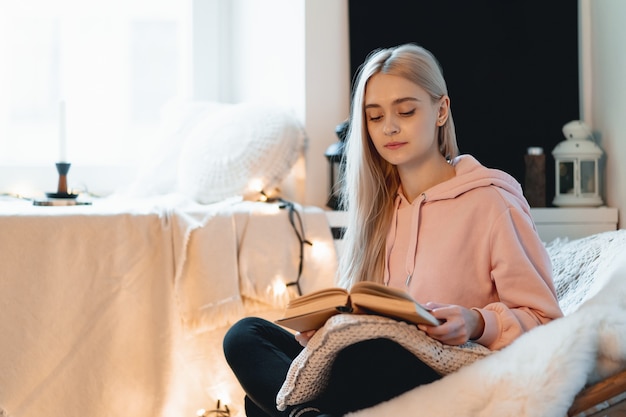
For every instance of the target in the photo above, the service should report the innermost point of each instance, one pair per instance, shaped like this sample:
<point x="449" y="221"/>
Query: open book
<point x="310" y="312"/>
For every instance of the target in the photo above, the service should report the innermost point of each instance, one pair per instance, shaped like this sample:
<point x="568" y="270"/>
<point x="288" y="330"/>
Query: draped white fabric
<point x="98" y="303"/>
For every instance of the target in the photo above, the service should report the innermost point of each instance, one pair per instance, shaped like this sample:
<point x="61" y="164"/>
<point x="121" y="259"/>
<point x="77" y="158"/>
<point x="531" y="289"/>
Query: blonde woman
<point x="454" y="234"/>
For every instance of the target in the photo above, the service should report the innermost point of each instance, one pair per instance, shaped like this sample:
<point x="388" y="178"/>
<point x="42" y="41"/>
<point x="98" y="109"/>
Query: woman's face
<point x="402" y="120"/>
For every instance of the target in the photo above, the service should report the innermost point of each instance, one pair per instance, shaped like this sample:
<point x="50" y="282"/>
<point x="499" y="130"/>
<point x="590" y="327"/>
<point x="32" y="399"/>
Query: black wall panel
<point x="511" y="68"/>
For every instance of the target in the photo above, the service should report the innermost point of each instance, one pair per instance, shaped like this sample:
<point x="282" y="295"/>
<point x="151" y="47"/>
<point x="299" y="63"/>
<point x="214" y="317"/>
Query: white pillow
<point x="244" y="148"/>
<point x="157" y="173"/>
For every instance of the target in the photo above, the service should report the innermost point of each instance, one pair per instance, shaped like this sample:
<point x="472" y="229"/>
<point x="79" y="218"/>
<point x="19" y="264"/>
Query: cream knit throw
<point x="309" y="372"/>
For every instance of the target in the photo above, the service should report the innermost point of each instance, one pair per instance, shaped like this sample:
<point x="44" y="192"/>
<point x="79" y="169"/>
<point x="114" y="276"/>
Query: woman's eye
<point x="375" y="118"/>
<point x="407" y="113"/>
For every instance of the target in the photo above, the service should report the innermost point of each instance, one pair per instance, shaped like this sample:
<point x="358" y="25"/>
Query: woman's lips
<point x="394" y="145"/>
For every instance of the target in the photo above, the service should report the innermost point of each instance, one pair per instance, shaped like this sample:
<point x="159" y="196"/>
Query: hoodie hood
<point x="470" y="174"/>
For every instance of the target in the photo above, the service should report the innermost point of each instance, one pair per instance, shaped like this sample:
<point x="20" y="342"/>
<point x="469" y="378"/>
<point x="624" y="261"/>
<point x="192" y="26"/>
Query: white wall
<point x="268" y="52"/>
<point x="327" y="87"/>
<point x="603" y="52"/>
<point x="303" y="62"/>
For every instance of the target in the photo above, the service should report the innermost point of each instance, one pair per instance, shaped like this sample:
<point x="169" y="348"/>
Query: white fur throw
<point x="541" y="372"/>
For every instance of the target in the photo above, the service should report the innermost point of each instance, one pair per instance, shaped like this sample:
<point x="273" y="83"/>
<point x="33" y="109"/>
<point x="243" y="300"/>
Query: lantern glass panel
<point x="588" y="177"/>
<point x="566" y="177"/>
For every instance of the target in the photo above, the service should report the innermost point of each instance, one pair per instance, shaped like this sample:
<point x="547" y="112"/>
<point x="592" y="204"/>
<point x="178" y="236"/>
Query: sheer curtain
<point x="112" y="66"/>
<point x="115" y="65"/>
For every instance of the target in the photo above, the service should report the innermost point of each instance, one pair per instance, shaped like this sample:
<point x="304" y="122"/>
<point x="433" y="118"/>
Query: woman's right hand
<point x="460" y="324"/>
<point x="304" y="337"/>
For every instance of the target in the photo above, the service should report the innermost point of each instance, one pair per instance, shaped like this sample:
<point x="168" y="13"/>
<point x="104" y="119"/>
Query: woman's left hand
<point x="304" y="337"/>
<point x="459" y="324"/>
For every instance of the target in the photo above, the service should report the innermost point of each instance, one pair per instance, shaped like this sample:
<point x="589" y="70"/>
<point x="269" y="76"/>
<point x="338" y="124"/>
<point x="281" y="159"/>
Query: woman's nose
<point x="390" y="127"/>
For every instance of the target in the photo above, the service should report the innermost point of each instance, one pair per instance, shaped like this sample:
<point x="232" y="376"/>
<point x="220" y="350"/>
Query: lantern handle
<point x="578" y="130"/>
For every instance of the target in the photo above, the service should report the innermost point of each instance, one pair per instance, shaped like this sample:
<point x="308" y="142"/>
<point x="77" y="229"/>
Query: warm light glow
<point x="269" y="209"/>
<point x="321" y="250"/>
<point x="24" y="189"/>
<point x="278" y="287"/>
<point x="279" y="291"/>
<point x="256" y="184"/>
<point x="222" y="391"/>
<point x="218" y="411"/>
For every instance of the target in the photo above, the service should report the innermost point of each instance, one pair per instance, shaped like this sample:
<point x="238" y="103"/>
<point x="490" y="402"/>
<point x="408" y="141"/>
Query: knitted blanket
<point x="309" y="372"/>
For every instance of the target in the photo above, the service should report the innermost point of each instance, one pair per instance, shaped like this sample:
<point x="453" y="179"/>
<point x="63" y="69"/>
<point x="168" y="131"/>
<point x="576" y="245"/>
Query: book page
<point x="381" y="290"/>
<point x="392" y="302"/>
<point x="308" y="321"/>
<point x="329" y="298"/>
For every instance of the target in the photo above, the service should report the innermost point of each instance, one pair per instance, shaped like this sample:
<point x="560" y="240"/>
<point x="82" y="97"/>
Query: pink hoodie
<point x="471" y="241"/>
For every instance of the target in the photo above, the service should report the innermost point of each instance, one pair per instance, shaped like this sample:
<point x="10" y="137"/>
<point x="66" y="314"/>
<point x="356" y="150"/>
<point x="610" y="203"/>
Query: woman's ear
<point x="444" y="110"/>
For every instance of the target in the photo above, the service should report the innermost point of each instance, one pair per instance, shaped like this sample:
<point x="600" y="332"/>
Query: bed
<point x="118" y="307"/>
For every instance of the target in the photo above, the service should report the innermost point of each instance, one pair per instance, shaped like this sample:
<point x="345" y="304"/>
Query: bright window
<point x="113" y="64"/>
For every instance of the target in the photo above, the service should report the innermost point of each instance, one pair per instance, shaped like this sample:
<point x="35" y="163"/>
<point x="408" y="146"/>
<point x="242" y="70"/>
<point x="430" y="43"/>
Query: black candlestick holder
<point x="62" y="168"/>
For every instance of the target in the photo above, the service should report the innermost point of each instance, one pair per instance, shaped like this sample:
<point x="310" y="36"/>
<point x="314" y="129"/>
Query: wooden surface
<point x="597" y="398"/>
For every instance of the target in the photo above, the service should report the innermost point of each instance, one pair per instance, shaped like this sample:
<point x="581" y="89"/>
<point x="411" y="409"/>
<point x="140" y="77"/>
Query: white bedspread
<point x="244" y="254"/>
<point x="95" y="300"/>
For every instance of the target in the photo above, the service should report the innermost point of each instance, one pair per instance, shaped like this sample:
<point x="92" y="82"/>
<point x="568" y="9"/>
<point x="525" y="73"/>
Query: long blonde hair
<point x="370" y="184"/>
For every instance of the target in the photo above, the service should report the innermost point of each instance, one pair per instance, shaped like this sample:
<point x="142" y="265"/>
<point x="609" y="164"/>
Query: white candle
<point x="62" y="135"/>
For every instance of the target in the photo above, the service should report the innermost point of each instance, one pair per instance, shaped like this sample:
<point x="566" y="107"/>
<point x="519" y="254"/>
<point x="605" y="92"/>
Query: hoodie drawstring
<point x="411" y="252"/>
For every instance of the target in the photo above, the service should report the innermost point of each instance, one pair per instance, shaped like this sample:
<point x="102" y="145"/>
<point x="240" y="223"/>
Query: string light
<point x="296" y="223"/>
<point x="217" y="412"/>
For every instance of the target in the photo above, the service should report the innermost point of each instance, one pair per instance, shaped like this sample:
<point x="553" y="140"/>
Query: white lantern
<point x="576" y="161"/>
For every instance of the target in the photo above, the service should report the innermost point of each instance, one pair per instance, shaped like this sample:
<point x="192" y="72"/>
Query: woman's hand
<point x="304" y="337"/>
<point x="459" y="324"/>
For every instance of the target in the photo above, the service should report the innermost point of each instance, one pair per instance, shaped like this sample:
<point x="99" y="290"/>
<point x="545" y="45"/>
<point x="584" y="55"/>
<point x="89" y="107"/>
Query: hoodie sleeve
<point x="522" y="276"/>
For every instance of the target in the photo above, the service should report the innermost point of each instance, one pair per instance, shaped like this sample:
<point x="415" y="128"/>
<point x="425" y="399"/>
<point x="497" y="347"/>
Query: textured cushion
<point x="157" y="173"/>
<point x="578" y="264"/>
<point x="238" y="151"/>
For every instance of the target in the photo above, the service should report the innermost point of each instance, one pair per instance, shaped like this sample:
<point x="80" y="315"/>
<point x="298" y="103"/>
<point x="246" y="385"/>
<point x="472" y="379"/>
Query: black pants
<point x="364" y="374"/>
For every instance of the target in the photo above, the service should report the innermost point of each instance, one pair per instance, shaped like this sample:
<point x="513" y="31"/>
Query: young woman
<point x="456" y="235"/>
